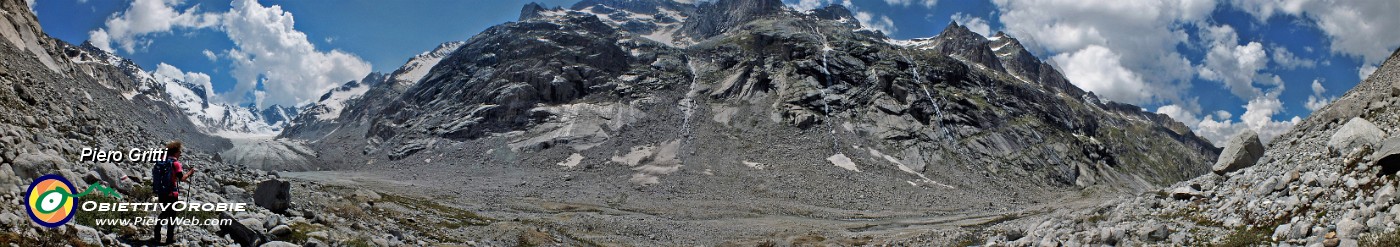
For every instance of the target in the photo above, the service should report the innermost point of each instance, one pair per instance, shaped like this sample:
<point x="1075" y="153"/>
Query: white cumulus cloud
<point x="1259" y="116"/>
<point x="1236" y="65"/>
<point x="1098" y="69"/>
<point x="1358" y="28"/>
<point x="272" y="62"/>
<point x="268" y="50"/>
<point x="1365" y="71"/>
<point x="210" y="55"/>
<point x="1142" y="36"/>
<point x="1317" y="100"/>
<point x="129" y="28"/>
<point x="1287" y="60"/>
<point x="925" y="3"/>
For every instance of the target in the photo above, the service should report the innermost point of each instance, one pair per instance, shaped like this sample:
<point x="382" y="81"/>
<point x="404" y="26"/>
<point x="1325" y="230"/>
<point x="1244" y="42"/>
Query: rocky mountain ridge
<point x="1330" y="181"/>
<point x="651" y="105"/>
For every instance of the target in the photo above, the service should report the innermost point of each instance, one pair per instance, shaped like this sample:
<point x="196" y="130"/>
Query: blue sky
<point x="1219" y="67"/>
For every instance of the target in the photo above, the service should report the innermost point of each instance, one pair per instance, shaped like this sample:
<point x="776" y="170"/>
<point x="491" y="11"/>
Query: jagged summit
<point x="834" y="12"/>
<point x="956" y="40"/>
<point x="533" y="10"/>
<point x="1019" y="62"/>
<point x="713" y="18"/>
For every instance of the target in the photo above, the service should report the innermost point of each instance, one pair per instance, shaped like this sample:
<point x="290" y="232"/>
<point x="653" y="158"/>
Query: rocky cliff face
<point x="1330" y="181"/>
<point x="826" y="114"/>
<point x="715" y="18"/>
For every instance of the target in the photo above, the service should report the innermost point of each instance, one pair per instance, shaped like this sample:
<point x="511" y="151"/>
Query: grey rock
<point x="34" y="164"/>
<point x="1156" y="233"/>
<point x="280" y="230"/>
<point x="274" y="195"/>
<point x="1387" y="158"/>
<point x="8" y="180"/>
<point x="1349" y="228"/>
<point x="112" y="175"/>
<point x="1185" y="193"/>
<point x="1348" y="242"/>
<point x="92" y="177"/>
<point x="256" y="224"/>
<point x="1282" y="232"/>
<point x="240" y="233"/>
<point x="1385" y="195"/>
<point x="73" y="178"/>
<point x="88" y="235"/>
<point x="279" y="244"/>
<point x="9" y="218"/>
<point x="366" y="195"/>
<point x="1300" y="230"/>
<point x="1243" y="150"/>
<point x="272" y="221"/>
<point x="1355" y="132"/>
<point x="233" y="190"/>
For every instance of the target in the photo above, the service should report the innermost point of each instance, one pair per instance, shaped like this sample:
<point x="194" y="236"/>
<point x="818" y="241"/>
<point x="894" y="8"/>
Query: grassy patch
<point x="47" y="237"/>
<point x="299" y="231"/>
<point x="1096" y="218"/>
<point x="347" y="209"/>
<point x="450" y="217"/>
<point x="236" y="183"/>
<point x="1246" y="236"/>
<point x="140" y="193"/>
<point x="1193" y="213"/>
<point x="358" y="242"/>
<point x="455" y="217"/>
<point x="1390" y="238"/>
<point x="968" y="240"/>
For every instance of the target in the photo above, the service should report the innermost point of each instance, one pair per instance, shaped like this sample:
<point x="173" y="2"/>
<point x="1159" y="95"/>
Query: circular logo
<point x="49" y="202"/>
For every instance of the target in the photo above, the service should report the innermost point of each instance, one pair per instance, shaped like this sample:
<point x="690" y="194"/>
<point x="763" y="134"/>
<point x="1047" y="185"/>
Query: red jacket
<point x="175" y="180"/>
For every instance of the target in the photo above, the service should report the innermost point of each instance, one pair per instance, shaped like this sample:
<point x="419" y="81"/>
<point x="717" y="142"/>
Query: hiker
<point x="165" y="179"/>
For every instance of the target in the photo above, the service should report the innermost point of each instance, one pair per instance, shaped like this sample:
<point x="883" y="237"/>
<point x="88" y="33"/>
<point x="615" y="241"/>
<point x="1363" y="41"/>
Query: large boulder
<point x="9" y="183"/>
<point x="112" y="176"/>
<point x="238" y="232"/>
<point x="1387" y="159"/>
<point x="1241" y="151"/>
<point x="279" y="244"/>
<point x="1354" y="133"/>
<point x="274" y="195"/>
<point x="88" y="235"/>
<point x="29" y="166"/>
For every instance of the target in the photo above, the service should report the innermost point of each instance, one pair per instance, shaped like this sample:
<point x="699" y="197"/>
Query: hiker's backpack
<point x="162" y="177"/>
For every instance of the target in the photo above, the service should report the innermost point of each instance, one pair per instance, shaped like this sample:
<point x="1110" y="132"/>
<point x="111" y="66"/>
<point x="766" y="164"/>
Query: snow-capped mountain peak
<point x="223" y="119"/>
<point x="418" y="66"/>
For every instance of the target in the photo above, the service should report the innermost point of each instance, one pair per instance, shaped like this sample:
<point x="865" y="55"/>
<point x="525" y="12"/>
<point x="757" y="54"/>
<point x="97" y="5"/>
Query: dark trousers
<point x="166" y="214"/>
